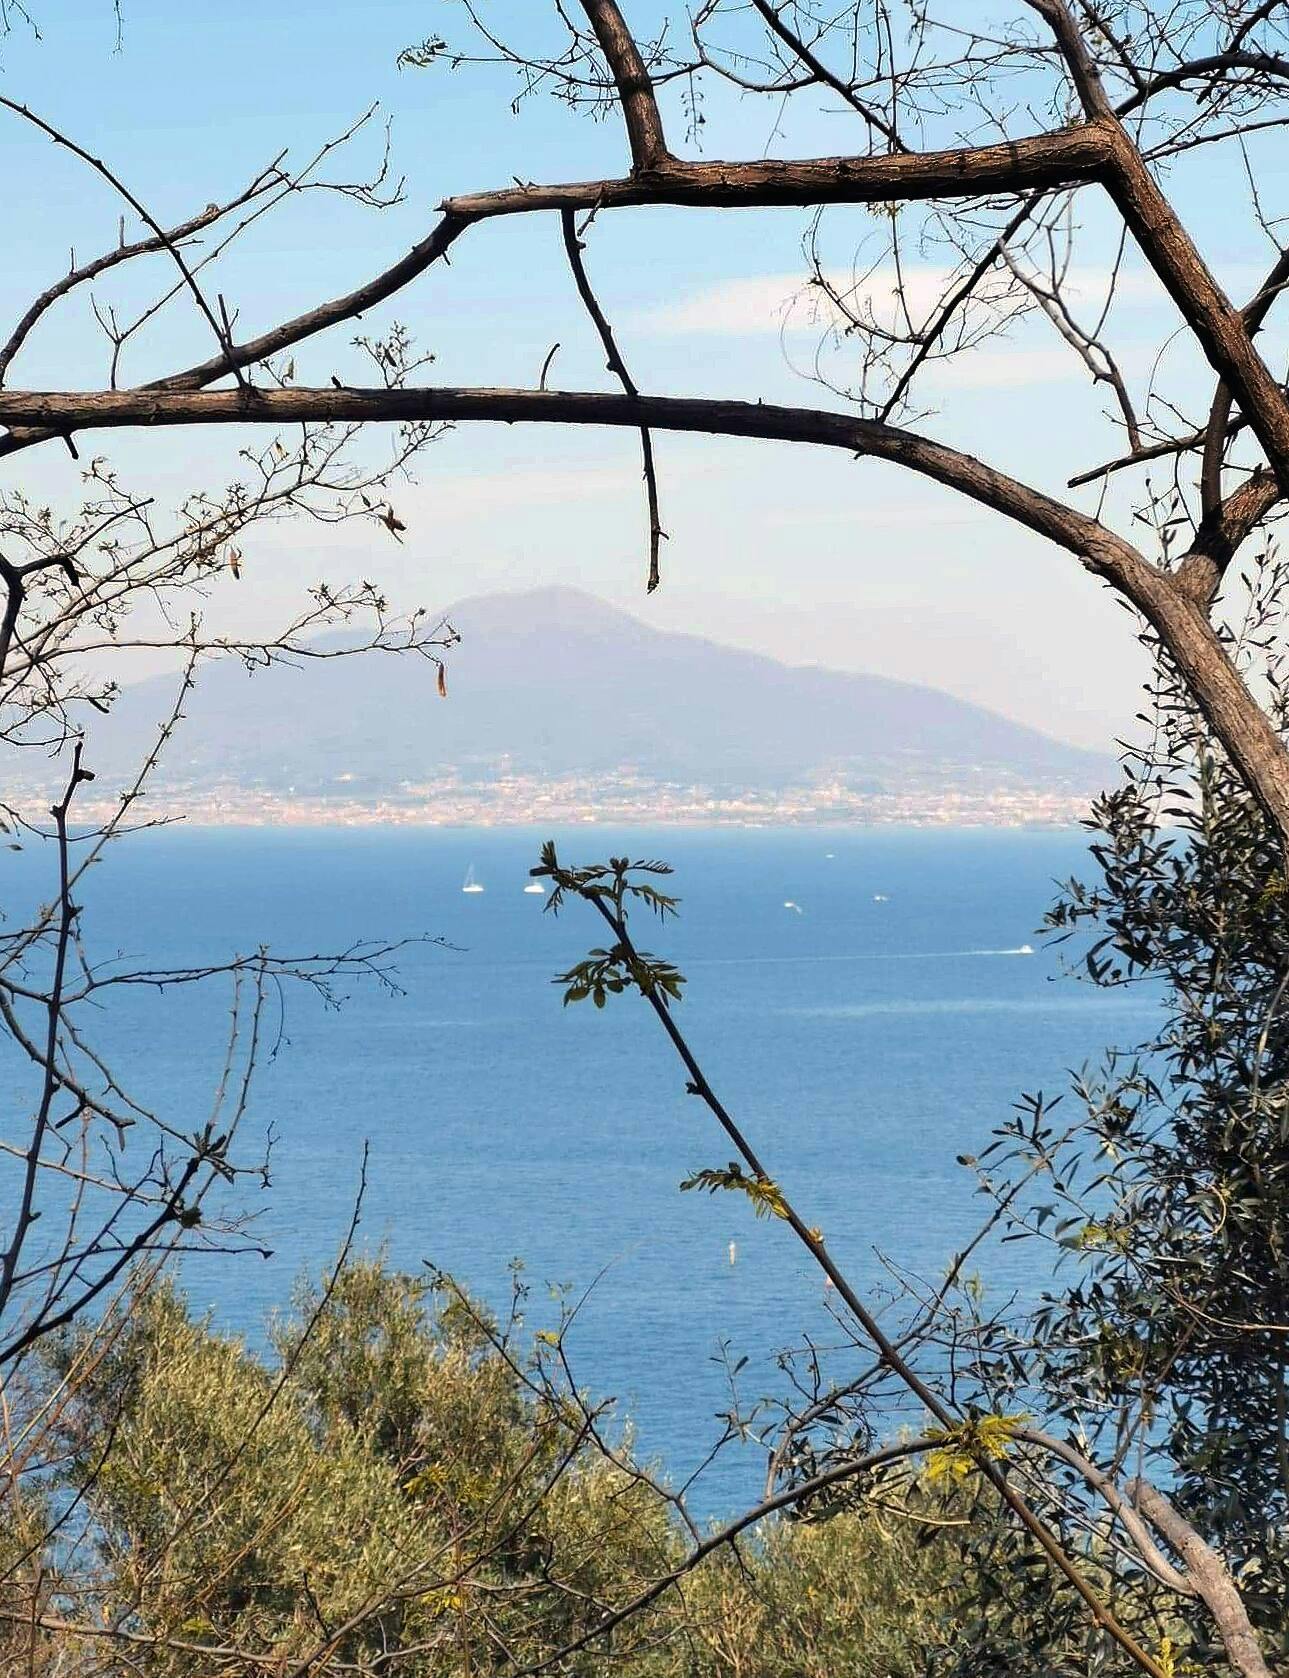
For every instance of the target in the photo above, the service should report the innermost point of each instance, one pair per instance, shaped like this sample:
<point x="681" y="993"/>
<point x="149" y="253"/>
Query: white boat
<point x="471" y="884"/>
<point x="1025" y="950"/>
<point x="880" y="897"/>
<point x="535" y="888"/>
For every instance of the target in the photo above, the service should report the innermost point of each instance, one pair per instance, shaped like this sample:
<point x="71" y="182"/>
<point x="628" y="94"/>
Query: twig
<point x="145" y="215"/>
<point x="573" y="248"/>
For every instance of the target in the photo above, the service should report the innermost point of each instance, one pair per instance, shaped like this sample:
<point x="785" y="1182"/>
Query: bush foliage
<point x="386" y="1489"/>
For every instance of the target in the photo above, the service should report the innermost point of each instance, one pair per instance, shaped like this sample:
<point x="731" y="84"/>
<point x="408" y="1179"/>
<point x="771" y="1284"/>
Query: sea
<point x="869" y="1004"/>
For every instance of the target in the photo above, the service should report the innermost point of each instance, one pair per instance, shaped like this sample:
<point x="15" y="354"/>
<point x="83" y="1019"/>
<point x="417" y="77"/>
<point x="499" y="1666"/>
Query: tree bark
<point x="1062" y="158"/>
<point x="1208" y="1573"/>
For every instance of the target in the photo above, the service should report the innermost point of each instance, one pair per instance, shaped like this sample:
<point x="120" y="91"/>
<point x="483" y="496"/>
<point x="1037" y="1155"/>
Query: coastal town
<point x="523" y="800"/>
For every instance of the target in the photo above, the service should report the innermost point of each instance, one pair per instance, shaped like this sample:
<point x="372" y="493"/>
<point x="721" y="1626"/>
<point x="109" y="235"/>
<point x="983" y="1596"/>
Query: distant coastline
<point x="522" y="801"/>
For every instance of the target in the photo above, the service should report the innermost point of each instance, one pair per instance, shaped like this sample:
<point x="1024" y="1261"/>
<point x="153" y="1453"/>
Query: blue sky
<point x="817" y="558"/>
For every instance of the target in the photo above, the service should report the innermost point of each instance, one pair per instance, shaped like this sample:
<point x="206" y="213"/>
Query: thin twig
<point x="617" y="366"/>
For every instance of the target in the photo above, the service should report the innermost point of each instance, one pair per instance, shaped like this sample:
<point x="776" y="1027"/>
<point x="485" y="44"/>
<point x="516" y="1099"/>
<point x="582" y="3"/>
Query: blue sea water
<point x="864" y="1040"/>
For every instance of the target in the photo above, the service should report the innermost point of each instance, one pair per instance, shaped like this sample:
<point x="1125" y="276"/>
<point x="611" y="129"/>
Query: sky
<point x="810" y="556"/>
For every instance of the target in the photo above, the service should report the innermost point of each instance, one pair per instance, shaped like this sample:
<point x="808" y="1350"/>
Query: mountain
<point x="556" y="683"/>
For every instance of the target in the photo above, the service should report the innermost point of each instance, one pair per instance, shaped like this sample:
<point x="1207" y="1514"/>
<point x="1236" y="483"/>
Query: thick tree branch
<point x="1218" y="326"/>
<point x="1207" y="1571"/>
<point x="1078" y="60"/>
<point x="1219" y="419"/>
<point x="1116" y="1502"/>
<point x="1064" y="157"/>
<point x="1222" y="531"/>
<point x="635" y="89"/>
<point x="1093" y="542"/>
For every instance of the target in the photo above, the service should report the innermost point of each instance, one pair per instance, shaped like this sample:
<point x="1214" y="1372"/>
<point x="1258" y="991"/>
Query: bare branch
<point x="139" y="208"/>
<point x="635" y="89"/>
<point x="819" y="70"/>
<point x="1066" y="157"/>
<point x="79" y="275"/>
<point x="573" y="249"/>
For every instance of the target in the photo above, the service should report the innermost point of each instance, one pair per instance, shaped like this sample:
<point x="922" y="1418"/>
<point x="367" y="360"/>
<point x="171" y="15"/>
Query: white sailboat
<point x="471" y="885"/>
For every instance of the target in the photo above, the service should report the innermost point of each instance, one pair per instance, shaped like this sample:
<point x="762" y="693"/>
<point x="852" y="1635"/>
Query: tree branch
<point x="1093" y="542"/>
<point x="774" y="22"/>
<point x="77" y="276"/>
<point x="1116" y="1502"/>
<point x="617" y="366"/>
<point x="1213" y="1583"/>
<point x="1219" y="418"/>
<point x="726" y="1535"/>
<point x="1219" y="327"/>
<point x="1064" y="157"/>
<point x="610" y="909"/>
<point x="1214" y="64"/>
<point x="218" y="327"/>
<point x="1221" y="532"/>
<point x="635" y="89"/>
<point x="384" y="285"/>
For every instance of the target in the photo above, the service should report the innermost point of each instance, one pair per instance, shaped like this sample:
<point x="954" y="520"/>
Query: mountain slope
<point x="555" y="682"/>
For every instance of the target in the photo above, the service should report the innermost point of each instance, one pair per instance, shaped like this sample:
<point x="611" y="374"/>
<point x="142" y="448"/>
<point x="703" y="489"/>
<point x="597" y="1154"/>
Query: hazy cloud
<point x="786" y="303"/>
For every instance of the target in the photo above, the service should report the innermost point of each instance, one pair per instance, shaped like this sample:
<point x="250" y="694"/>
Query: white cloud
<point x="1002" y="367"/>
<point x="785" y="303"/>
<point x="778" y="302"/>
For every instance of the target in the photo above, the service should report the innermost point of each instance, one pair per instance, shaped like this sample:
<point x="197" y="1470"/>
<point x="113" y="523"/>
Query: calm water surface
<point x="864" y="1042"/>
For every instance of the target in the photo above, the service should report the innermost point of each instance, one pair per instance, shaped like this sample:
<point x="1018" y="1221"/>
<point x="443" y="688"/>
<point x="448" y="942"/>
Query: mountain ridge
<point x="557" y="682"/>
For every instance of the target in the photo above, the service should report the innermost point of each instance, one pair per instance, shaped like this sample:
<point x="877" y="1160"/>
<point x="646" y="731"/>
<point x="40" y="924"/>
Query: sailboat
<point x="471" y="884"/>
